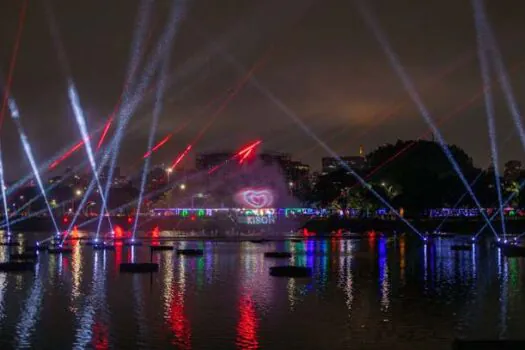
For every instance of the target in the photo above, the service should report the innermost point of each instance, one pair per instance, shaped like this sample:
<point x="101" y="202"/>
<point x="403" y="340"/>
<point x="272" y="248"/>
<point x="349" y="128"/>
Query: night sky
<point x="322" y="61"/>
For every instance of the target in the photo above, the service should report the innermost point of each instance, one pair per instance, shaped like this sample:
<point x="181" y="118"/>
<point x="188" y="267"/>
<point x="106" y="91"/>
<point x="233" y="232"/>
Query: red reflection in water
<point x="100" y="337"/>
<point x="179" y="323"/>
<point x="247" y="327"/>
<point x="65" y="264"/>
<point x="74" y="233"/>
<point x="372" y="238"/>
<point x="307" y="233"/>
<point x="118" y="254"/>
<point x="119" y="233"/>
<point x="155" y="234"/>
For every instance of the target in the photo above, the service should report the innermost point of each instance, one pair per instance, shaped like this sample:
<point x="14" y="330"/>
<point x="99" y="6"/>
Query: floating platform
<point x="352" y="237"/>
<point x="139" y="267"/>
<point x="488" y="344"/>
<point x="258" y="241"/>
<point x="279" y="255"/>
<point x="60" y="250"/>
<point x="190" y="252"/>
<point x="461" y="247"/>
<point x="161" y="247"/>
<point x="24" y="256"/>
<point x="10" y="243"/>
<point x="291" y="271"/>
<point x="35" y="248"/>
<point x="513" y="250"/>
<point x="132" y="243"/>
<point x="17" y="266"/>
<point x="93" y="242"/>
<point x="103" y="246"/>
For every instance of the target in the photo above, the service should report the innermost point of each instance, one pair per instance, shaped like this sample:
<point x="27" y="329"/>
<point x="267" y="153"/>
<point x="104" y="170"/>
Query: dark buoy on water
<point x="93" y="242"/>
<point x="35" y="248"/>
<point x="103" y="246"/>
<point x="23" y="256"/>
<point x="59" y="250"/>
<point x="190" y="252"/>
<point x="513" y="251"/>
<point x="10" y="243"/>
<point x="161" y="247"/>
<point x="139" y="267"/>
<point x="132" y="242"/>
<point x="17" y="266"/>
<point x="279" y="255"/>
<point x="461" y="247"/>
<point x="290" y="271"/>
<point x="488" y="344"/>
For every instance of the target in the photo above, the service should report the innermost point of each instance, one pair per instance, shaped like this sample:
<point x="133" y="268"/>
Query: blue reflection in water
<point x="323" y="264"/>
<point x="3" y="288"/>
<point x="26" y="325"/>
<point x="384" y="284"/>
<point x="208" y="269"/>
<point x="503" y="270"/>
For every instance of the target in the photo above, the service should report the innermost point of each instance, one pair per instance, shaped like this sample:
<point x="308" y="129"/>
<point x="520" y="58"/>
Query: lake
<point x="373" y="293"/>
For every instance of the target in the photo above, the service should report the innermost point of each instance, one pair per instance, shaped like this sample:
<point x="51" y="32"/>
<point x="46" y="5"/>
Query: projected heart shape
<point x="257" y="198"/>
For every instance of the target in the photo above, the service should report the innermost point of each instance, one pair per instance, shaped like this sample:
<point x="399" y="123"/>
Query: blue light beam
<point x="15" y="115"/>
<point x="81" y="121"/>
<point x="407" y="83"/>
<point x="4" y="196"/>
<point x="503" y="77"/>
<point x="176" y="17"/>
<point x="161" y="50"/>
<point x="489" y="104"/>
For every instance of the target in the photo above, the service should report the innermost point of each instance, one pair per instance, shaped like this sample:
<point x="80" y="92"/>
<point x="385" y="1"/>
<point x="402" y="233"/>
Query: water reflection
<point x="248" y="324"/>
<point x="384" y="284"/>
<point x="376" y="290"/>
<point x="92" y="304"/>
<point x="177" y="319"/>
<point x="26" y="324"/>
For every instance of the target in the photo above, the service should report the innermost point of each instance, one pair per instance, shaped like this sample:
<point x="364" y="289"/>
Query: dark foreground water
<point x="368" y="294"/>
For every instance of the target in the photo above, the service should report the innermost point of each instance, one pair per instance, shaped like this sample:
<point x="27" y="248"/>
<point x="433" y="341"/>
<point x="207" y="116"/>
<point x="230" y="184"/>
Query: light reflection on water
<point x="375" y="292"/>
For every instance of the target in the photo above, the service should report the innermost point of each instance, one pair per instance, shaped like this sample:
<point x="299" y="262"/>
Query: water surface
<point x="365" y="294"/>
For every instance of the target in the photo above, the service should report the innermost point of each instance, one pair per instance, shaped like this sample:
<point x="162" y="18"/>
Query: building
<point x="208" y="161"/>
<point x="512" y="170"/>
<point x="330" y="164"/>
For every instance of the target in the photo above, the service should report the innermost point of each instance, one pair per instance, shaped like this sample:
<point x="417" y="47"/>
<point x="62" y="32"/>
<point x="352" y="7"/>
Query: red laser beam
<point x="158" y="145"/>
<point x="233" y="93"/>
<point x="105" y="132"/>
<point x="181" y="157"/>
<point x="455" y="112"/>
<point x="66" y="155"/>
<point x="12" y="64"/>
<point x="245" y="156"/>
<point x="242" y="153"/>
